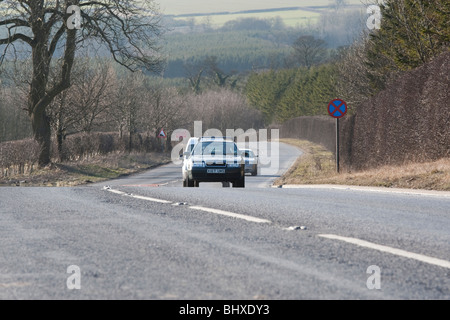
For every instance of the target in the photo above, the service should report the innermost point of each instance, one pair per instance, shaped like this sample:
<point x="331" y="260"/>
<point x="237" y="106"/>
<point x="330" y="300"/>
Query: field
<point x="295" y="12"/>
<point x="290" y="18"/>
<point x="177" y="7"/>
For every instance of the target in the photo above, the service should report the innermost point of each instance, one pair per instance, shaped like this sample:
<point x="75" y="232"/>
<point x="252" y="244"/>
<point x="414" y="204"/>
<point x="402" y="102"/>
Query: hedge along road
<point x="169" y="242"/>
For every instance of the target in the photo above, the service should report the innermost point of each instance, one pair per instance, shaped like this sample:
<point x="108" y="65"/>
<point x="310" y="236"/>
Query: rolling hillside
<point x="176" y="7"/>
<point x="216" y="14"/>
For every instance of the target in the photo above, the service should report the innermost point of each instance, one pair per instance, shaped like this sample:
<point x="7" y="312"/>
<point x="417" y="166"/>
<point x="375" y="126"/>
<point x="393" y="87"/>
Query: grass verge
<point x="96" y="169"/>
<point x="317" y="166"/>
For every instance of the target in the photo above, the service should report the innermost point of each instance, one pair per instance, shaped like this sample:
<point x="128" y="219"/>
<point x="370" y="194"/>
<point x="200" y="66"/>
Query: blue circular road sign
<point x="337" y="108"/>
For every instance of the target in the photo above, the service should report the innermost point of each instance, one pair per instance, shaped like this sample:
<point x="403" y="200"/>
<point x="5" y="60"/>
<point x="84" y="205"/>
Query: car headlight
<point x="234" y="165"/>
<point x="198" y="164"/>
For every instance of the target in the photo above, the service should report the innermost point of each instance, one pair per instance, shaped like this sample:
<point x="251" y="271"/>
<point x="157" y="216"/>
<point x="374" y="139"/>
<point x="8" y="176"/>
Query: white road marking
<point x="116" y="191"/>
<point x="210" y="210"/>
<point x="431" y="193"/>
<point x="150" y="199"/>
<point x="398" y="252"/>
<point x="231" y="214"/>
<point x="14" y="285"/>
<point x="138" y="197"/>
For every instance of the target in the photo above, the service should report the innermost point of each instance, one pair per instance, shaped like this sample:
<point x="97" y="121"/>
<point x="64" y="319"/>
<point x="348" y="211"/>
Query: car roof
<point x="226" y="139"/>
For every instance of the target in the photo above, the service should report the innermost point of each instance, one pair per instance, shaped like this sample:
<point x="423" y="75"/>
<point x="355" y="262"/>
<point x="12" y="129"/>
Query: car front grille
<point x="216" y="164"/>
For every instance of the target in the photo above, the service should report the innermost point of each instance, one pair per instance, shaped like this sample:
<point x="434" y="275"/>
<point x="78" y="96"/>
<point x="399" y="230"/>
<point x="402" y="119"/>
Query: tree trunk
<point x="60" y="141"/>
<point x="40" y="121"/>
<point x="42" y="133"/>
<point x="41" y="96"/>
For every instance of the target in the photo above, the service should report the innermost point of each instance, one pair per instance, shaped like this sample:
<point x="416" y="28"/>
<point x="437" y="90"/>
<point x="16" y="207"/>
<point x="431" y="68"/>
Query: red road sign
<point x="337" y="108"/>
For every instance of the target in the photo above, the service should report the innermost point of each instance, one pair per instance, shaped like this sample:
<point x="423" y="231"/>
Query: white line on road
<point x="231" y="214"/>
<point x="116" y="191"/>
<point x="14" y="285"/>
<point x="138" y="197"/>
<point x="431" y="193"/>
<point x="210" y="210"/>
<point x="398" y="252"/>
<point x="150" y="199"/>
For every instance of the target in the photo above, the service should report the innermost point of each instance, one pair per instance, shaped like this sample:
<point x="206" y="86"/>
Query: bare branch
<point x="16" y="21"/>
<point x="15" y="37"/>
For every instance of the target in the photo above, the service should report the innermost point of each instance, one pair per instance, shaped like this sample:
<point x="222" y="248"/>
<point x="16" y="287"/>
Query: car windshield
<point x="190" y="146"/>
<point x="215" y="148"/>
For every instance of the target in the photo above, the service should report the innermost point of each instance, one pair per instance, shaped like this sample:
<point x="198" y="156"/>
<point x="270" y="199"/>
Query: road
<point x="146" y="237"/>
<point x="169" y="175"/>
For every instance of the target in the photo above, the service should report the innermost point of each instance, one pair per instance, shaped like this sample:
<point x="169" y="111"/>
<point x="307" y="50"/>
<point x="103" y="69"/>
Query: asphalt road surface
<point x="146" y="237"/>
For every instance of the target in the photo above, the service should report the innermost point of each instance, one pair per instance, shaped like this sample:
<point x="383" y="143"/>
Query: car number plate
<point x="216" y="170"/>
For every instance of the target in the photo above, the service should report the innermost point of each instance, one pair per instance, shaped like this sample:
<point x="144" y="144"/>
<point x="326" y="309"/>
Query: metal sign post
<point x="337" y="109"/>
<point x="337" y="145"/>
<point x="162" y="136"/>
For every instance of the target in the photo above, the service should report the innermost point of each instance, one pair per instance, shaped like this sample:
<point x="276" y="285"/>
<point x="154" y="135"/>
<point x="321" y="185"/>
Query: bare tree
<point x="207" y="24"/>
<point x="338" y="4"/>
<point x="309" y="50"/>
<point x="219" y="77"/>
<point x="194" y="73"/>
<point x="164" y="108"/>
<point x="223" y="109"/>
<point x="90" y="94"/>
<point x="126" y="103"/>
<point x="85" y="104"/>
<point x="208" y="69"/>
<point x="191" y="23"/>
<point x="15" y="83"/>
<point x="127" y="30"/>
<point x="354" y="74"/>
